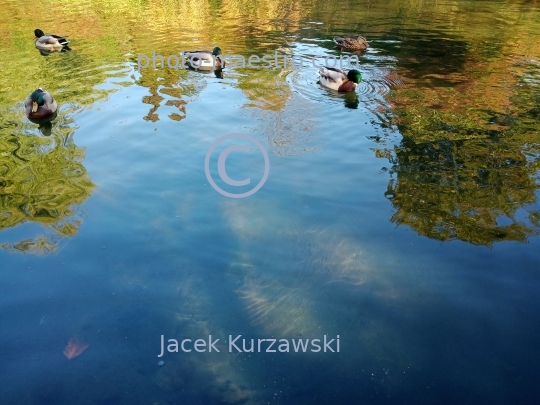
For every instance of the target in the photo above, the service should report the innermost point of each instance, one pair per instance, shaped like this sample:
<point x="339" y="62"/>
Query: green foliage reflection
<point x="467" y="190"/>
<point x="42" y="179"/>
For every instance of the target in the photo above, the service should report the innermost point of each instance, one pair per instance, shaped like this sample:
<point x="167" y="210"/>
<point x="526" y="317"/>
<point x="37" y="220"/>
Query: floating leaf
<point x="74" y="348"/>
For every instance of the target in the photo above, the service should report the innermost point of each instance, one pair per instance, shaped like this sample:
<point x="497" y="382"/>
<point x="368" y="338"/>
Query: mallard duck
<point x="337" y="79"/>
<point x="204" y="60"/>
<point x="353" y="43"/>
<point x="40" y="107"/>
<point x="49" y="42"/>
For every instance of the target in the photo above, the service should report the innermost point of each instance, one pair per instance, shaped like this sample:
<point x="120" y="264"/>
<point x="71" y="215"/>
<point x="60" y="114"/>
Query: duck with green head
<point x="40" y="107"/>
<point x="50" y="42"/>
<point x="205" y="60"/>
<point x="337" y="79"/>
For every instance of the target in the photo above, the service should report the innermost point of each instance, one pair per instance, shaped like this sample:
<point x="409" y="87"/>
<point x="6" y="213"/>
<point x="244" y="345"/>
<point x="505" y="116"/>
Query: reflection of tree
<point x="40" y="245"/>
<point x="467" y="166"/>
<point x="465" y="88"/>
<point x="163" y="83"/>
<point x="467" y="190"/>
<point x="266" y="88"/>
<point x="41" y="179"/>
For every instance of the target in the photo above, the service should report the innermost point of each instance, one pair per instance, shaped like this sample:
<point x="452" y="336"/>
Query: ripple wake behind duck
<point x="376" y="83"/>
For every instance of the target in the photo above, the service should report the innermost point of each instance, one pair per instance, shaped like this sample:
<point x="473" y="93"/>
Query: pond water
<point x="403" y="218"/>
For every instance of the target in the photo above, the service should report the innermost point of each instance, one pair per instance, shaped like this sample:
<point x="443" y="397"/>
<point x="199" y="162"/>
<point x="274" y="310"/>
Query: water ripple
<point x="376" y="83"/>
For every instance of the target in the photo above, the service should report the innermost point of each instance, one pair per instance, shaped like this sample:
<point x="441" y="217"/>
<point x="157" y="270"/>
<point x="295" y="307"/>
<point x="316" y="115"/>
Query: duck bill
<point x="34" y="107"/>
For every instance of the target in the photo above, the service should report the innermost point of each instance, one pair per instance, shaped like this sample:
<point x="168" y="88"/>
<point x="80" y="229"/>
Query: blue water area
<point x="420" y="254"/>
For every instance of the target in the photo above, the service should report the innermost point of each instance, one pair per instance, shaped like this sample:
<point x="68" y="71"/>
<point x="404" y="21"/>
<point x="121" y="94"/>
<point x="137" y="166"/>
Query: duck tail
<point x="61" y="40"/>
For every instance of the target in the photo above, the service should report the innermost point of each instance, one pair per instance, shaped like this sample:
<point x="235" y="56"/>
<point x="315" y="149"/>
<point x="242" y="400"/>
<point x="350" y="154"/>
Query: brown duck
<point x="358" y="43"/>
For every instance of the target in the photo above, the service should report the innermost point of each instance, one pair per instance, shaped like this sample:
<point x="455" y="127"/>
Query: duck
<point x="204" y="60"/>
<point x="40" y="107"/>
<point x="358" y="43"/>
<point x="49" y="42"/>
<point x="337" y="79"/>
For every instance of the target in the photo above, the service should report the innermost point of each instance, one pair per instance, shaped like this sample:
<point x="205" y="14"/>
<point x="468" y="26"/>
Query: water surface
<point x="403" y="218"/>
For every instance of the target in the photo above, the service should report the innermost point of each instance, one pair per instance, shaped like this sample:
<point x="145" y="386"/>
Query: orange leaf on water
<point x="74" y="348"/>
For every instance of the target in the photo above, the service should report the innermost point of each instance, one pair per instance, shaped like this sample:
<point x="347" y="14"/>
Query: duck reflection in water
<point x="46" y="52"/>
<point x="218" y="72"/>
<point x="351" y="100"/>
<point x="46" y="128"/>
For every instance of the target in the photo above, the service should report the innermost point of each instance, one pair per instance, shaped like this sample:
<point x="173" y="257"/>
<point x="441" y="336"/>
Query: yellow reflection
<point x="42" y="180"/>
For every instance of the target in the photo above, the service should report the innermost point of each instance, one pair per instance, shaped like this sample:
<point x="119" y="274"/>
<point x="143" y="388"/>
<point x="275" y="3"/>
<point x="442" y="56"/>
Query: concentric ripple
<point x="376" y="83"/>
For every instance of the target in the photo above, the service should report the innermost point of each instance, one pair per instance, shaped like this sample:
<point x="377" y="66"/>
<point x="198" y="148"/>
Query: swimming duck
<point x="337" y="79"/>
<point x="204" y="60"/>
<point x="353" y="43"/>
<point x="40" y="107"/>
<point x="49" y="42"/>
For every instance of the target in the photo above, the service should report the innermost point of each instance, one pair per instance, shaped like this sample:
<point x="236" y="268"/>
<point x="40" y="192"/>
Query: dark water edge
<point x="404" y="219"/>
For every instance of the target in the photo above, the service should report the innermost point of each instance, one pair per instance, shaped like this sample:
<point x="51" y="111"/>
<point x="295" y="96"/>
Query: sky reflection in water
<point x="111" y="234"/>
